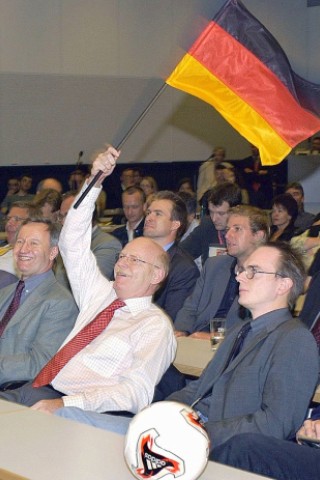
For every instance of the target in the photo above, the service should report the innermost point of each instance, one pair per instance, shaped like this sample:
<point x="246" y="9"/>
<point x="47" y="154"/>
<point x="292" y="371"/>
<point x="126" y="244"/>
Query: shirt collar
<point x="35" y="280"/>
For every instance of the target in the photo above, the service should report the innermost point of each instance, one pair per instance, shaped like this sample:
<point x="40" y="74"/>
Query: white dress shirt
<point x="120" y="368"/>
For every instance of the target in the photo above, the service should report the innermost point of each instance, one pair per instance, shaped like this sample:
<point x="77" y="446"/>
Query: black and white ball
<point x="166" y="441"/>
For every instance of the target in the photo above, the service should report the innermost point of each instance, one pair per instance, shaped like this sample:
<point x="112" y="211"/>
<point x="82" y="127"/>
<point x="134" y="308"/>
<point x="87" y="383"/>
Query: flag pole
<point x="121" y="143"/>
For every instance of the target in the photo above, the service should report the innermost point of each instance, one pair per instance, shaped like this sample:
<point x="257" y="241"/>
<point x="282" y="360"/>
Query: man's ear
<point x="284" y="285"/>
<point x="260" y="237"/>
<point x="53" y="253"/>
<point x="158" y="276"/>
<point x="175" y="225"/>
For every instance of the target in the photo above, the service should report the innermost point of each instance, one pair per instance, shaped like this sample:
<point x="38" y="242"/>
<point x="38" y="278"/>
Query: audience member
<point x="315" y="145"/>
<point x="114" y="190"/>
<point x="250" y="385"/>
<point x="76" y="180"/>
<point x="211" y="230"/>
<point x="278" y="459"/>
<point x="133" y="204"/>
<point x="207" y="175"/>
<point x="226" y="172"/>
<point x="270" y="280"/>
<point x="149" y="186"/>
<point x="104" y="246"/>
<point x="49" y="183"/>
<point x="165" y="222"/>
<point x="190" y="201"/>
<point x="13" y="186"/>
<point x="137" y="176"/>
<point x="185" y="185"/>
<point x="304" y="219"/>
<point x="43" y="313"/>
<point x="19" y="212"/>
<point x="125" y="358"/>
<point x="283" y="216"/>
<point x="216" y="290"/>
<point x="48" y="201"/>
<point x="258" y="179"/>
<point x="22" y="195"/>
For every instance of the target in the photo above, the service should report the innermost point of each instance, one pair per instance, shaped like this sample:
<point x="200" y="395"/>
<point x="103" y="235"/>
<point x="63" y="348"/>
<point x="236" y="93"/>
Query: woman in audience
<point x="283" y="215"/>
<point x="185" y="185"/>
<point x="149" y="186"/>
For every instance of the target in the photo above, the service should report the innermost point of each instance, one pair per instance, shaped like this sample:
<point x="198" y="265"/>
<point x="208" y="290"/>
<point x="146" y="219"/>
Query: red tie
<point x="316" y="331"/>
<point x="77" y="343"/>
<point x="13" y="307"/>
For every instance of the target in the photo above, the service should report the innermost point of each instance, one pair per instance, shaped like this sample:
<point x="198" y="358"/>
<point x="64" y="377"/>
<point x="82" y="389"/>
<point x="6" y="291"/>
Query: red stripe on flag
<point x="254" y="83"/>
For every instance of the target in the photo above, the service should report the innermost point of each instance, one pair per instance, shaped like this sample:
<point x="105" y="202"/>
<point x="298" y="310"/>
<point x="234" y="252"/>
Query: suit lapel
<point x="32" y="302"/>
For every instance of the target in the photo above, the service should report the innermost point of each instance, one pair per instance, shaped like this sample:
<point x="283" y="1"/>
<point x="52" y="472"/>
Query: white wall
<point x="75" y="74"/>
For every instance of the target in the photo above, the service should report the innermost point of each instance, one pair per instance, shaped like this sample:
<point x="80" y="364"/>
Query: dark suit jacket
<point x="37" y="329"/>
<point x="265" y="389"/>
<point x="122" y="235"/>
<point x="204" y="301"/>
<point x="199" y="240"/>
<point x="179" y="283"/>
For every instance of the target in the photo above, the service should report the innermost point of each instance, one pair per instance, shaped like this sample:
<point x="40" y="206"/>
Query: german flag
<point x="239" y="68"/>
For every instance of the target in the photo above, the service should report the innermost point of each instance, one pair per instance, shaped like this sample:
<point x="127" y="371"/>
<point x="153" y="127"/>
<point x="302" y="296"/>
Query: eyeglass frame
<point x="133" y="259"/>
<point x="238" y="270"/>
<point x="15" y="218"/>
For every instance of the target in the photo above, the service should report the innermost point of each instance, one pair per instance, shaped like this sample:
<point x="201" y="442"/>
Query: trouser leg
<point x="278" y="459"/>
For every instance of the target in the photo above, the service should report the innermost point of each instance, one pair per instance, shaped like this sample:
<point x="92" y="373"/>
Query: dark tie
<point x="234" y="352"/>
<point x="77" y="343"/>
<point x="13" y="307"/>
<point x="238" y="343"/>
<point x="316" y="331"/>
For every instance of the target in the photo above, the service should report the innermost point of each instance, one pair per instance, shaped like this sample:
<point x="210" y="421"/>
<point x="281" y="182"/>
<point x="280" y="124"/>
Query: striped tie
<point x="13" y="307"/>
<point x="77" y="343"/>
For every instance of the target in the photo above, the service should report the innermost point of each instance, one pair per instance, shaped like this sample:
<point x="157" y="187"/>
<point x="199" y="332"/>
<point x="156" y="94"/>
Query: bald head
<point x="140" y="269"/>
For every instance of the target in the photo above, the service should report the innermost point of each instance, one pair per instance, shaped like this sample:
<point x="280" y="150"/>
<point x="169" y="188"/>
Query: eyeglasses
<point x="15" y="218"/>
<point x="250" y="271"/>
<point x="133" y="260"/>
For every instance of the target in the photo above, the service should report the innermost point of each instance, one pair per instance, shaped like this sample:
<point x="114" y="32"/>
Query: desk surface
<point x="193" y="355"/>
<point x="38" y="446"/>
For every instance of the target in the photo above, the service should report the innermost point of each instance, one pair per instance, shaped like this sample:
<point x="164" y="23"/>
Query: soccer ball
<point x="166" y="441"/>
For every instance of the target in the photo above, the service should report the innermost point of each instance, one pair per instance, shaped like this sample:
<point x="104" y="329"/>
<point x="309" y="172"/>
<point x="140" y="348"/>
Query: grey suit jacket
<point x="105" y="248"/>
<point x="36" y="331"/>
<point x="266" y="389"/>
<point x="204" y="301"/>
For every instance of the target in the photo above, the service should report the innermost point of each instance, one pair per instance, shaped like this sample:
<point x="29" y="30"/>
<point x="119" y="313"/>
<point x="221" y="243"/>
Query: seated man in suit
<point x="45" y="313"/>
<point x="121" y="343"/>
<point x="279" y="459"/>
<point x="211" y="230"/>
<point x="250" y="385"/>
<point x="133" y="204"/>
<point x="104" y="246"/>
<point x="216" y="291"/>
<point x="165" y="223"/>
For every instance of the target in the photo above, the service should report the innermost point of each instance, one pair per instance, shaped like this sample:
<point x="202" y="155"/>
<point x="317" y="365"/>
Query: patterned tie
<point x="316" y="331"/>
<point x="13" y="307"/>
<point x="77" y="343"/>
<point x="238" y="343"/>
